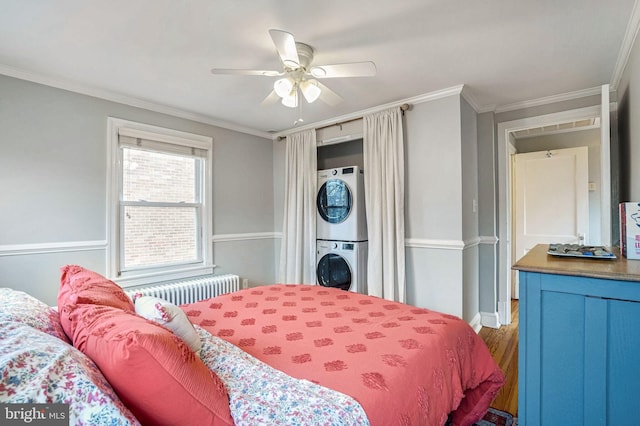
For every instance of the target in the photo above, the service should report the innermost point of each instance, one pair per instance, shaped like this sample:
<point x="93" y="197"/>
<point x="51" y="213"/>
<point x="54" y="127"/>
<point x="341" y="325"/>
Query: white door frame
<point x="504" y="191"/>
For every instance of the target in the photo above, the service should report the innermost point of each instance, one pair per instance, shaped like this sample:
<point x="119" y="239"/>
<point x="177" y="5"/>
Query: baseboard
<point x="490" y="319"/>
<point x="475" y="323"/>
<point x="503" y="307"/>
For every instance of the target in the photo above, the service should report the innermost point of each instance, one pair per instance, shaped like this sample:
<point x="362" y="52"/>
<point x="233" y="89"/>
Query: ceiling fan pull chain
<point x="299" y="120"/>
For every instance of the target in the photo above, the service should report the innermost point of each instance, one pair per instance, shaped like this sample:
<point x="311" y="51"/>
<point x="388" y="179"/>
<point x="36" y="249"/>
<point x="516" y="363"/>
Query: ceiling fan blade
<point x="286" y="47"/>
<point x="354" y="69"/>
<point x="265" y="73"/>
<point x="270" y="99"/>
<point x="328" y="96"/>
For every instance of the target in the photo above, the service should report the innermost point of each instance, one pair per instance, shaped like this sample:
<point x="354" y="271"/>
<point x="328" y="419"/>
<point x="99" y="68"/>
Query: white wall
<point x="53" y="178"/>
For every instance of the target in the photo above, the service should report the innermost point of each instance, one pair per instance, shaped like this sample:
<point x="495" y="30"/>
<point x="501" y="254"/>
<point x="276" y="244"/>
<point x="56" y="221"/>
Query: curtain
<point x="298" y="249"/>
<point x="383" y="148"/>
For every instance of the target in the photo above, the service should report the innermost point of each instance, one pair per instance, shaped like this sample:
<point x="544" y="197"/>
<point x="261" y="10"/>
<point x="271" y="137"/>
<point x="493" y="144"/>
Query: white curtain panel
<point x="383" y="148"/>
<point x="298" y="249"/>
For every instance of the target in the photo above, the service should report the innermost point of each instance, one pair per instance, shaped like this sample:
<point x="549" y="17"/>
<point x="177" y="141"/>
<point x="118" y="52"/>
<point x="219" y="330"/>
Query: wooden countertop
<point x="537" y="260"/>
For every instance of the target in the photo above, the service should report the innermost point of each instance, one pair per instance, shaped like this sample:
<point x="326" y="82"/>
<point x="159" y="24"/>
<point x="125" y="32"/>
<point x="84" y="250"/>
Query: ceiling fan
<point x="299" y="75"/>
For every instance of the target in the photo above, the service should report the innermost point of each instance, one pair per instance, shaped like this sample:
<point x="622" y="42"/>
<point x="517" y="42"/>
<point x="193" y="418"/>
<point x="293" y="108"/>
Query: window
<point x="159" y="208"/>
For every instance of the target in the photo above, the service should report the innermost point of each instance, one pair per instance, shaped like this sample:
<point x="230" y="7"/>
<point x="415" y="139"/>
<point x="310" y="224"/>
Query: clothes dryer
<point x="342" y="264"/>
<point x="340" y="205"/>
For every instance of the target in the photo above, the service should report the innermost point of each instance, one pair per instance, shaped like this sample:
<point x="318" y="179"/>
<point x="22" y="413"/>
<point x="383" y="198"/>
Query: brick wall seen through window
<point x="155" y="234"/>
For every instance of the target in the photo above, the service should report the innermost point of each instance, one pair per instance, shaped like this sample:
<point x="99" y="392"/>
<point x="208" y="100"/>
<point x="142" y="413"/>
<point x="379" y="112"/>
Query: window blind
<point x="133" y="138"/>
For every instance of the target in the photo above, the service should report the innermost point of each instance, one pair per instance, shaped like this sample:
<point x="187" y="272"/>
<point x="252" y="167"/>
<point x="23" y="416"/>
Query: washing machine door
<point x="334" y="271"/>
<point x="334" y="201"/>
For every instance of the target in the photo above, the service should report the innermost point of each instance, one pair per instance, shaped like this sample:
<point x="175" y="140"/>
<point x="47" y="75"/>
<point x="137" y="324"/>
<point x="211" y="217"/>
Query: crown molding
<point x="467" y="94"/>
<point x="630" y="36"/>
<point x="426" y="97"/>
<point x="108" y="95"/>
<point x="549" y="100"/>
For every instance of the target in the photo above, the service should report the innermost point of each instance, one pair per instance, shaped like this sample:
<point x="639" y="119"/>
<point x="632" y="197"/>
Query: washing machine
<point x="340" y="205"/>
<point x="342" y="264"/>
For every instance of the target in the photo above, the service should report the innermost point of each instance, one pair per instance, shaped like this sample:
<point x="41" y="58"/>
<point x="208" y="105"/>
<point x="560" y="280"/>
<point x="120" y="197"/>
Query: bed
<point x="403" y="364"/>
<point x="279" y="354"/>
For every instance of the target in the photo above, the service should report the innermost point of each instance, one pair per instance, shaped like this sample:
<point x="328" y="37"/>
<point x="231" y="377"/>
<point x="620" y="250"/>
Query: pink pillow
<point x="157" y="376"/>
<point x="79" y="285"/>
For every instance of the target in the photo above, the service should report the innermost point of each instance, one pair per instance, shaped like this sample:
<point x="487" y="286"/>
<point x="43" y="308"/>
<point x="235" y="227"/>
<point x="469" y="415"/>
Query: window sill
<point x="152" y="278"/>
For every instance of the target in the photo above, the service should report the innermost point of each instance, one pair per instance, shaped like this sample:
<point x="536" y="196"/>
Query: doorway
<point x="506" y="136"/>
<point x="550" y="201"/>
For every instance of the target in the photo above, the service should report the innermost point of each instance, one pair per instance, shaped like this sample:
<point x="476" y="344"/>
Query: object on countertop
<point x="577" y="250"/>
<point x="630" y="230"/>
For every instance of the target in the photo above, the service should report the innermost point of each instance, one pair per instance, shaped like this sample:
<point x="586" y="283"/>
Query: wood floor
<point x="503" y="344"/>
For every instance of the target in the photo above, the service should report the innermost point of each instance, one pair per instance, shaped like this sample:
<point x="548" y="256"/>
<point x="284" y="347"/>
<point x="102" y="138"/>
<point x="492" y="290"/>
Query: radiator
<point x="190" y="290"/>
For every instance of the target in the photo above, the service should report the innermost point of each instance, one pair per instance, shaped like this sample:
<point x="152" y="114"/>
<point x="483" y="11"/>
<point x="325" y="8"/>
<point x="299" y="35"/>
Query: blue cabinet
<point x="579" y="341"/>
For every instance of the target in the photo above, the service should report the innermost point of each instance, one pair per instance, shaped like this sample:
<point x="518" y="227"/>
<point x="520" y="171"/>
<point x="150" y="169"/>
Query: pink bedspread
<point x="404" y="365"/>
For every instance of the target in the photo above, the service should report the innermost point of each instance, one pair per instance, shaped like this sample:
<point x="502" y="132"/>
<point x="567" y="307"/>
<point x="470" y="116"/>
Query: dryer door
<point x="334" y="201"/>
<point x="334" y="271"/>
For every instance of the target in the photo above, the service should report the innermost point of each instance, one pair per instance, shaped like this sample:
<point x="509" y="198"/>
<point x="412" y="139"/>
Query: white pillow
<point x="169" y="315"/>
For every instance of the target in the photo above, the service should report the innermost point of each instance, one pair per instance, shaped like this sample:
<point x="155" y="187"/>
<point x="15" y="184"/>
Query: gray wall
<point x="53" y="165"/>
<point x="433" y="186"/>
<point x="487" y="213"/>
<point x="438" y="268"/>
<point x="549" y="108"/>
<point x="279" y="151"/>
<point x="53" y="176"/>
<point x="469" y="203"/>
<point x="629" y="126"/>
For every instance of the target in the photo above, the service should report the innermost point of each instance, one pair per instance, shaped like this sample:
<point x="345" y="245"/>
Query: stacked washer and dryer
<point x="341" y="229"/>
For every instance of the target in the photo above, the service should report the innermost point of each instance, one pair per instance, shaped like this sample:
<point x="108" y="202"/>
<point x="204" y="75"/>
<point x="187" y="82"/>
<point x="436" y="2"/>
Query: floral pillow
<point x="38" y="368"/>
<point x="19" y="306"/>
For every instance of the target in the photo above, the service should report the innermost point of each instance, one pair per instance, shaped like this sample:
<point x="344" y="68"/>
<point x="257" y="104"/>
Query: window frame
<point x="115" y="206"/>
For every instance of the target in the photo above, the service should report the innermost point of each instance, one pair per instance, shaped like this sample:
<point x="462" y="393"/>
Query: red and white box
<point x="630" y="230"/>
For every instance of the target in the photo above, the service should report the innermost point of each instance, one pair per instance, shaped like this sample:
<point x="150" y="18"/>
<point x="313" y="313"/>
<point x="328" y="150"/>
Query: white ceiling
<point x="160" y="52"/>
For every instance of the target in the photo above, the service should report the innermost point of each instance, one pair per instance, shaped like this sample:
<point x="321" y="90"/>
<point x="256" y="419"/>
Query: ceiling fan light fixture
<point x="318" y="72"/>
<point x="290" y="100"/>
<point x="288" y="63"/>
<point x="310" y="90"/>
<point x="283" y="87"/>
